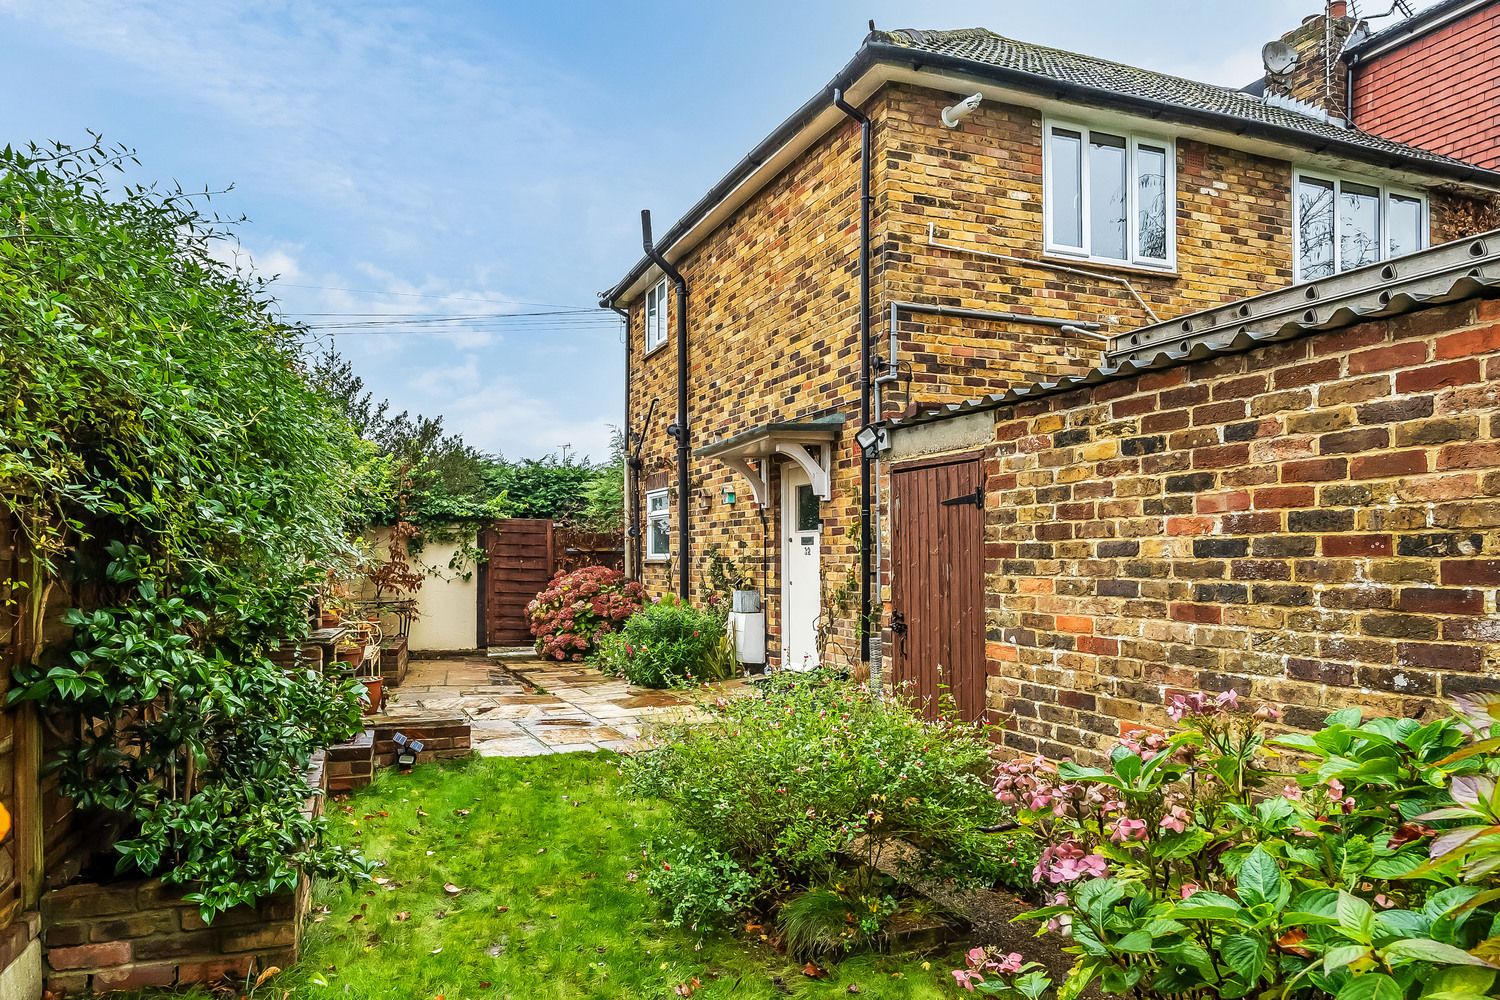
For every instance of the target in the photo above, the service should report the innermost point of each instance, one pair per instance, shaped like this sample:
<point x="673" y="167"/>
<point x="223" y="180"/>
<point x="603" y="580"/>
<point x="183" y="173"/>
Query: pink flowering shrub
<point x="1362" y="865"/>
<point x="576" y="608"/>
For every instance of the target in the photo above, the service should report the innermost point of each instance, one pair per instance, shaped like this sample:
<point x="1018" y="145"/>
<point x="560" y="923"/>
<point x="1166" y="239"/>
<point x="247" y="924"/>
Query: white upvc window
<point x="656" y="316"/>
<point x="1109" y="195"/>
<point x="658" y="525"/>
<point x="1339" y="223"/>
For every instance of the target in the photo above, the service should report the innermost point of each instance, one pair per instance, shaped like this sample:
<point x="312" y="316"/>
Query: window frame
<point x="652" y="555"/>
<point x="1133" y="141"/>
<point x="655" y="316"/>
<point x="1386" y="193"/>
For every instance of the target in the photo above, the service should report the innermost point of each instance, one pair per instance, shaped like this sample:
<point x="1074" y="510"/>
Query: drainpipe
<point x="679" y="430"/>
<point x="865" y="477"/>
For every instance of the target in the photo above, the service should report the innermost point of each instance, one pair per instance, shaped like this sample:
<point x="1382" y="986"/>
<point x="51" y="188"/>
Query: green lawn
<point x="539" y="849"/>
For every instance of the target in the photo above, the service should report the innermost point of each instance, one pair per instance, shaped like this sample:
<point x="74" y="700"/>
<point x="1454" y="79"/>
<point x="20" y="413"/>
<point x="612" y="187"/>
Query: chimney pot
<point x="1338" y="8"/>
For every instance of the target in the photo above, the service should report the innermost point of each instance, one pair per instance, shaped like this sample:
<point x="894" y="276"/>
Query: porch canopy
<point x="790" y="440"/>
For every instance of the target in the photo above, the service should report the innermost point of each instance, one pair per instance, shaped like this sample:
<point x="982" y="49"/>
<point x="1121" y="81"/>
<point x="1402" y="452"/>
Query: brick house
<point x="1009" y="237"/>
<point x="1433" y="80"/>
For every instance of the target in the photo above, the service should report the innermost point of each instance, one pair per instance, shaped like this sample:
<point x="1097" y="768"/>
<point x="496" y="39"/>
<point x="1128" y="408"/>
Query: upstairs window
<point x="1341" y="224"/>
<point x="656" y="316"/>
<point x="1109" y="196"/>
<point x="658" y="526"/>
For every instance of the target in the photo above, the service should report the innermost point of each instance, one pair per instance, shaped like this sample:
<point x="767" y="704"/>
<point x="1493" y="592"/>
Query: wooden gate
<point x="937" y="592"/>
<point x="519" y="561"/>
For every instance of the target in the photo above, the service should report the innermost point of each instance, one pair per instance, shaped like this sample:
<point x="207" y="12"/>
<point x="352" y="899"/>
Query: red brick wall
<point x="1440" y="92"/>
<point x="1315" y="524"/>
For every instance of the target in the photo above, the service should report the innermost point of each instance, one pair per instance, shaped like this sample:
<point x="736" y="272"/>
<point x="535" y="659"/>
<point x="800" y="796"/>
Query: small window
<point x="1108" y="196"/>
<point x="656" y="316"/>
<point x="658" y="525"/>
<point x="1343" y="224"/>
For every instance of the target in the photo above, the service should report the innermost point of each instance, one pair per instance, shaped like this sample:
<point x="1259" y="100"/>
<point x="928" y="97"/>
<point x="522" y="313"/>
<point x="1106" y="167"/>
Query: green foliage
<point x="604" y="496"/>
<point x="829" y="921"/>
<point x="787" y="784"/>
<point x="1177" y="870"/>
<point x="552" y="487"/>
<point x="163" y="448"/>
<point x="699" y="886"/>
<point x="423" y="474"/>
<point x="668" y="644"/>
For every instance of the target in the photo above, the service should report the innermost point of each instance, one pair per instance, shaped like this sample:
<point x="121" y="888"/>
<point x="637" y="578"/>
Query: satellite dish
<point x="1278" y="57"/>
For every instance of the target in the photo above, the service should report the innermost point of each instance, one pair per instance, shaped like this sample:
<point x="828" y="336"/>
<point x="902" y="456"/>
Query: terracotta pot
<point x="375" y="691"/>
<point x="330" y="619"/>
<point x="352" y="655"/>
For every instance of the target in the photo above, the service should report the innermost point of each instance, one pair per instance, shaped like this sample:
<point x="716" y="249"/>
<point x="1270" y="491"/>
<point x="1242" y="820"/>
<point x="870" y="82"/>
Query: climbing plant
<point x="165" y="452"/>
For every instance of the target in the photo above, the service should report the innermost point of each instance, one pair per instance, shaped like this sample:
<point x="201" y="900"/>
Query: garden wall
<point x="138" y="934"/>
<point x="1314" y="523"/>
<point x="447" y="604"/>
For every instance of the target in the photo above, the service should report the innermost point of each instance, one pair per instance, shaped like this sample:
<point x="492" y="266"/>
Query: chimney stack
<point x="1305" y="68"/>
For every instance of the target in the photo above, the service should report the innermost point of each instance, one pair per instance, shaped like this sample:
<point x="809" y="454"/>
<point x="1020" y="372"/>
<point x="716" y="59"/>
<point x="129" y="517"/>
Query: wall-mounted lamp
<point x="873" y="439"/>
<point x="729" y="495"/>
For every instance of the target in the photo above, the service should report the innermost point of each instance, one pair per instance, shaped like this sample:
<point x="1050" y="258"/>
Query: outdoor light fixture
<point x="407" y="750"/>
<point x="729" y="496"/>
<point x="873" y="438"/>
<point x="956" y="113"/>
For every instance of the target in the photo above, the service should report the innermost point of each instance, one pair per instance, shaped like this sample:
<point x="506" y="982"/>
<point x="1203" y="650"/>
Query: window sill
<point x="655" y="350"/>
<point x="1090" y="264"/>
<point x="658" y="560"/>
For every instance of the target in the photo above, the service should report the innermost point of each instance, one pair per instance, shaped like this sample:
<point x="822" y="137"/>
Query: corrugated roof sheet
<point x="981" y="45"/>
<point x="1449" y="273"/>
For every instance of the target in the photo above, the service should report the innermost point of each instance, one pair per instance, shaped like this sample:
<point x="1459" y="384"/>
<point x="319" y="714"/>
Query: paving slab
<point x="523" y="706"/>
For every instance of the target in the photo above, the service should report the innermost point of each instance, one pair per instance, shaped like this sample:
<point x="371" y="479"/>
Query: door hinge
<point x="976" y="498"/>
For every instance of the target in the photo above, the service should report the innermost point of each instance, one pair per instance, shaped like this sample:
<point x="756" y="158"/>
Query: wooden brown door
<point x="519" y="561"/>
<point x="937" y="585"/>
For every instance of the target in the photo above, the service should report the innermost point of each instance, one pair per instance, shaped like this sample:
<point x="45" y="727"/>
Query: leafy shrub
<point x="669" y="644"/>
<point x="577" y="608"/>
<point x="785" y="784"/>
<point x="1188" y="868"/>
<point x="703" y="887"/>
<point x="164" y="447"/>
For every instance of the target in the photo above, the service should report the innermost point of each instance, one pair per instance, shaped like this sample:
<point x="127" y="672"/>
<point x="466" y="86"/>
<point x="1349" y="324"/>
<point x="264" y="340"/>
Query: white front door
<point x="801" y="577"/>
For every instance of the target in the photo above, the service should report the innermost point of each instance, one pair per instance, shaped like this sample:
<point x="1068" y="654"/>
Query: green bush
<point x="166" y="452"/>
<point x="668" y="644"/>
<point x="786" y="784"/>
<point x="703" y="887"/>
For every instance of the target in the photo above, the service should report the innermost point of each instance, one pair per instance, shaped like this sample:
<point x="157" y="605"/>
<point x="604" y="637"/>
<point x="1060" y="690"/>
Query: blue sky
<point x="448" y="159"/>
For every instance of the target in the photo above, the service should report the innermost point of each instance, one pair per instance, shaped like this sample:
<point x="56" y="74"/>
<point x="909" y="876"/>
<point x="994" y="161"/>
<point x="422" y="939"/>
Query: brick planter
<point x="394" y="658"/>
<point x="128" y="935"/>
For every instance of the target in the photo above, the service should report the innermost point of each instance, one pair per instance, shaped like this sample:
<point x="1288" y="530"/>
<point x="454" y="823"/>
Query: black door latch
<point x="976" y="498"/>
<point x="898" y="629"/>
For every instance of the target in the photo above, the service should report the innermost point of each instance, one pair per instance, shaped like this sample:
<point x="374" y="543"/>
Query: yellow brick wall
<point x="773" y="299"/>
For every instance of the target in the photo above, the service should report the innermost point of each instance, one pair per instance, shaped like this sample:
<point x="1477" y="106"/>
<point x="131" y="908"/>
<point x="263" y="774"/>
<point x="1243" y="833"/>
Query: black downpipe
<point x="865" y="484"/>
<point x="678" y="430"/>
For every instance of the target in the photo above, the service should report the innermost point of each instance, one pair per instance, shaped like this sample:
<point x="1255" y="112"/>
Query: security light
<point x="873" y="438"/>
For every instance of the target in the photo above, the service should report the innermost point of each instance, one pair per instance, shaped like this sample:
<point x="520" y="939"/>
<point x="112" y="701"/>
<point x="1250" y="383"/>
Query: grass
<point x="540" y="849"/>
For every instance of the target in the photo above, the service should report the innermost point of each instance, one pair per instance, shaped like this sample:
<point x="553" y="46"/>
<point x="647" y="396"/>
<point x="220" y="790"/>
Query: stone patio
<point x="522" y="706"/>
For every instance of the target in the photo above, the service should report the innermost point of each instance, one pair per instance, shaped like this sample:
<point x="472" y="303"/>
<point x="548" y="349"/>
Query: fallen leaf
<point x="854" y="988"/>
<point x="270" y="971"/>
<point x="461" y="812"/>
<point x="502" y="909"/>
<point x="484" y="984"/>
<point x="451" y="889"/>
<point x="402" y="917"/>
<point x="813" y="970"/>
<point x="436" y="950"/>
